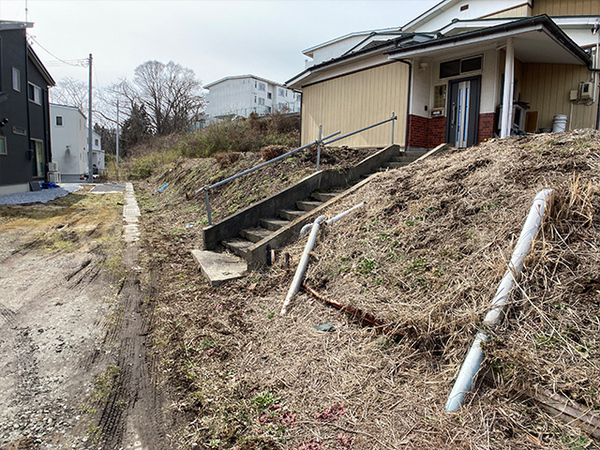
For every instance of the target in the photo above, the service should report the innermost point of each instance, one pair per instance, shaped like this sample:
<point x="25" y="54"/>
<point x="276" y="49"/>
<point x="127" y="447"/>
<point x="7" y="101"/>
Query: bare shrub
<point x="226" y="159"/>
<point x="272" y="151"/>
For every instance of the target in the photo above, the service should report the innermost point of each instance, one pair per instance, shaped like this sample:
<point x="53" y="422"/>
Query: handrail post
<point x="393" y="123"/>
<point x="319" y="146"/>
<point x="208" y="213"/>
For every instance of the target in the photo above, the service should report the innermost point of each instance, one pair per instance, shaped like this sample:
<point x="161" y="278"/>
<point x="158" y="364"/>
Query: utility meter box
<point x="585" y="90"/>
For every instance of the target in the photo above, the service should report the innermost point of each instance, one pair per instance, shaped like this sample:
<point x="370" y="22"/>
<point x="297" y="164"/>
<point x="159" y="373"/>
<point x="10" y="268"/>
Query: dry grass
<point x="425" y="255"/>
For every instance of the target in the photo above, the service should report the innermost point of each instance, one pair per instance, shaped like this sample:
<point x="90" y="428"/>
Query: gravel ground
<point x="43" y="196"/>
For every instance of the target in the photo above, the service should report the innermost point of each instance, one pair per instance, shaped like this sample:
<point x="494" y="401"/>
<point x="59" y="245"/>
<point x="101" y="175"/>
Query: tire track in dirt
<point x="132" y="416"/>
<point x="9" y="316"/>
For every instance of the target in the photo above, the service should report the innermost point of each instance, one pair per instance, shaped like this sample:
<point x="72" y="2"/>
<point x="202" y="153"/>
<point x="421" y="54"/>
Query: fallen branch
<point x="364" y="318"/>
<point x="566" y="410"/>
<point x="558" y="406"/>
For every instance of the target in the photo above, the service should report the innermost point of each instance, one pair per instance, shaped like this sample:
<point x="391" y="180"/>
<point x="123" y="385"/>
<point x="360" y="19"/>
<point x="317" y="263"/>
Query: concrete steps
<point x="275" y="226"/>
<point x="308" y="205"/>
<point x="238" y="246"/>
<point x="267" y="226"/>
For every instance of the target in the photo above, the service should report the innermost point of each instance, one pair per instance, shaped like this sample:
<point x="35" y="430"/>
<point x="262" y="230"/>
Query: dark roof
<point x="417" y="41"/>
<point x="38" y="64"/>
<point x="543" y="19"/>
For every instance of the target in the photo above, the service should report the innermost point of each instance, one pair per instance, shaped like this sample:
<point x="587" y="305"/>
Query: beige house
<point x="448" y="73"/>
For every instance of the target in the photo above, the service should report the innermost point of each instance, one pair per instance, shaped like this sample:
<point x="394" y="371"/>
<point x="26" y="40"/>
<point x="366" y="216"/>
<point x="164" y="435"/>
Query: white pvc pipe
<point x="334" y="219"/>
<point x="295" y="286"/>
<point x="507" y="98"/>
<point x="470" y="368"/>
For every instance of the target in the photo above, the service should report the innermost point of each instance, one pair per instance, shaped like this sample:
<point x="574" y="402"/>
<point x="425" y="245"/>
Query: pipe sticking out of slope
<point x="305" y="229"/>
<point x="299" y="275"/>
<point x="297" y="281"/>
<point x="470" y="367"/>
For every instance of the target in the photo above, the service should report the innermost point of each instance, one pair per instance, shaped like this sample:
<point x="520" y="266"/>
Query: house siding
<point x="546" y="88"/>
<point x="518" y="11"/>
<point x="566" y="7"/>
<point x="13" y="166"/>
<point x="73" y="133"/>
<point x="357" y="100"/>
<point x="38" y="118"/>
<point x="26" y="120"/>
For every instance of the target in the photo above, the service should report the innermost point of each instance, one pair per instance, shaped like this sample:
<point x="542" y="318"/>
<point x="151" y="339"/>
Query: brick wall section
<point x="437" y="131"/>
<point x="429" y="133"/>
<point x="426" y="133"/>
<point x="418" y="131"/>
<point x="486" y="127"/>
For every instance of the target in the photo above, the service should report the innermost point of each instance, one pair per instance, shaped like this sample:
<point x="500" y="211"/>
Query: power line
<point x="73" y="62"/>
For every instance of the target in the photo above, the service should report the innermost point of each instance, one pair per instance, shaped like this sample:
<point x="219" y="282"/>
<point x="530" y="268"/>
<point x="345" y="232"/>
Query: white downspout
<point x="470" y="368"/>
<point x="509" y="85"/>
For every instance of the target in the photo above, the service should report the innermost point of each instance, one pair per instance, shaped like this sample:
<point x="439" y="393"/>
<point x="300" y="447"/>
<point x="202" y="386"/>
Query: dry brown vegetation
<point x="424" y="255"/>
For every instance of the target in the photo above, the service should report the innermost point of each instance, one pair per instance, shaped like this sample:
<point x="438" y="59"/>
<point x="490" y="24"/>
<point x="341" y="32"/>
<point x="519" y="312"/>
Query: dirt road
<point x="75" y="367"/>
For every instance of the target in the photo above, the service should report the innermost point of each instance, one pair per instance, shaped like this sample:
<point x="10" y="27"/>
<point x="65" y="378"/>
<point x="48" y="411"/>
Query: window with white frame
<point x="269" y="95"/>
<point x="35" y="94"/>
<point x="59" y="121"/>
<point x="16" y="79"/>
<point x="280" y="92"/>
<point x="261" y="101"/>
<point x="262" y="87"/>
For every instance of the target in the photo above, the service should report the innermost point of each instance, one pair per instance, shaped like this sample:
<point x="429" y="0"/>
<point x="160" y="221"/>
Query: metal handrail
<point x="319" y="142"/>
<point x="394" y="117"/>
<point x="252" y="169"/>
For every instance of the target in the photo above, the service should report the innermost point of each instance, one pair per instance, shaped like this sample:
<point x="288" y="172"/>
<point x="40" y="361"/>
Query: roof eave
<point x="537" y="22"/>
<point x="40" y="66"/>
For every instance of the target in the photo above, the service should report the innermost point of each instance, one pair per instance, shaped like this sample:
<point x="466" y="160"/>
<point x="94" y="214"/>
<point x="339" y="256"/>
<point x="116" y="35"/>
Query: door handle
<point x="453" y="119"/>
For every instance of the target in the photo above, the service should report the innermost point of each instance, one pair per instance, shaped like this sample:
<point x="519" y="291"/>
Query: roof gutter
<point x="528" y="24"/>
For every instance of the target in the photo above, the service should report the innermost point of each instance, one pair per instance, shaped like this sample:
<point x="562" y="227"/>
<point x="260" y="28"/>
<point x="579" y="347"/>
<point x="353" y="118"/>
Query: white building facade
<point x="97" y="153"/>
<point x="68" y="135"/>
<point x="239" y="96"/>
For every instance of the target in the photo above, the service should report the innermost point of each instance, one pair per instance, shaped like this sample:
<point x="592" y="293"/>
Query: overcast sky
<point x="213" y="38"/>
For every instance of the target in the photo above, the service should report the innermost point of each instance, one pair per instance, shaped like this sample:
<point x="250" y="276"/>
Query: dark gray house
<point x="24" y="111"/>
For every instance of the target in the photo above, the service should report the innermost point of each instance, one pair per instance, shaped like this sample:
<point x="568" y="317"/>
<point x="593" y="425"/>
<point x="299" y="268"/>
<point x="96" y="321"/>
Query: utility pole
<point x="117" y="134"/>
<point x="90" y="140"/>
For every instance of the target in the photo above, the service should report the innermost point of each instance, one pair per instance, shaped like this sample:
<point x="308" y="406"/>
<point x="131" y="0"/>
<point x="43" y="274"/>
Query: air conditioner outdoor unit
<point x="54" y="177"/>
<point x="52" y="167"/>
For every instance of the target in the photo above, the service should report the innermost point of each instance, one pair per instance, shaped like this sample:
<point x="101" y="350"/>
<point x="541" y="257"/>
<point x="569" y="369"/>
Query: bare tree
<point x="70" y="92"/>
<point x="170" y="94"/>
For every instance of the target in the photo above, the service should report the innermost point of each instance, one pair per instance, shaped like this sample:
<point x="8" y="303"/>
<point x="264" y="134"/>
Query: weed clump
<point x="225" y="138"/>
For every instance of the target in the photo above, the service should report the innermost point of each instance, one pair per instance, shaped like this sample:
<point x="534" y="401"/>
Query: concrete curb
<point x="131" y="215"/>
